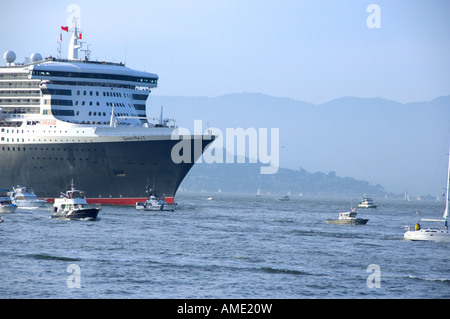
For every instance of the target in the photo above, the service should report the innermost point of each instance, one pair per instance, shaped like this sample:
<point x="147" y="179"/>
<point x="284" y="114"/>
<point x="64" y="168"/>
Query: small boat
<point x="73" y="205"/>
<point x="406" y="196"/>
<point x="6" y="205"/>
<point x="348" y="218"/>
<point x="367" y="203"/>
<point x="25" y="197"/>
<point x="155" y="203"/>
<point x="432" y="234"/>
<point x="285" y="197"/>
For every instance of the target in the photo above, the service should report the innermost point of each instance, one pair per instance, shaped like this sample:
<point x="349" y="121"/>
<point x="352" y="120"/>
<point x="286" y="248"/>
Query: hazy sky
<point x="310" y="50"/>
<point x="307" y="50"/>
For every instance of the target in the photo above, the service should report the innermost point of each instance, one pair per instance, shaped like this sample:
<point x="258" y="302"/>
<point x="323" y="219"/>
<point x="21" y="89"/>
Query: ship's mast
<point x="447" y="199"/>
<point x="74" y="46"/>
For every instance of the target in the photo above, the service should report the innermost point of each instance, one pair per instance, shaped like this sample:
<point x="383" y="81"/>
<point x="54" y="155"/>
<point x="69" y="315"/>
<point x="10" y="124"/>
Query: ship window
<point x="61" y="102"/>
<point x="84" y="92"/>
<point x="78" y="92"/>
<point x="56" y="91"/>
<point x="63" y="112"/>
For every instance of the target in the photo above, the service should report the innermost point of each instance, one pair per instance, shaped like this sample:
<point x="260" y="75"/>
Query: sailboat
<point x="258" y="192"/>
<point x="406" y="196"/>
<point x="433" y="234"/>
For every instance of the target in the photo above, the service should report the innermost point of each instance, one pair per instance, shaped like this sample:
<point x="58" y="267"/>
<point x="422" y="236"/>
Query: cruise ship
<point x="86" y="121"/>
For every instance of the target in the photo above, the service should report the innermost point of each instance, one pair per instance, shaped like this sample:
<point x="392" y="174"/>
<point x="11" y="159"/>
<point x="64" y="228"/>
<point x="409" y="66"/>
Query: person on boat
<point x="417" y="226"/>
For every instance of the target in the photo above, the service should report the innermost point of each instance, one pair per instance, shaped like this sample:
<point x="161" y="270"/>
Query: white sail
<point x="447" y="202"/>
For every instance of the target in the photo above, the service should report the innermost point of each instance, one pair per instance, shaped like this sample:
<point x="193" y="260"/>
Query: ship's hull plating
<point x="109" y="172"/>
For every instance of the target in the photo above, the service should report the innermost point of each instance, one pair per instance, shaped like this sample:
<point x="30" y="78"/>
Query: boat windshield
<point x="75" y="194"/>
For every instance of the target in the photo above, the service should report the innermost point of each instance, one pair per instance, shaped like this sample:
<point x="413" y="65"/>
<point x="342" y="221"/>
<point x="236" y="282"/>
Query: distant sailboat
<point x="434" y="234"/>
<point x="406" y="196"/>
<point x="258" y="192"/>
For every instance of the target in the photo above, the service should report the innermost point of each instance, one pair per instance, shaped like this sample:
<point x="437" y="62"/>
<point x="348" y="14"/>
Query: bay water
<point x="232" y="246"/>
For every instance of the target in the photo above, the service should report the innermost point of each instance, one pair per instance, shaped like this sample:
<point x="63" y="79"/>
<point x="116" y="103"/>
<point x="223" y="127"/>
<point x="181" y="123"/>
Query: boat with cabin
<point x="6" y="205"/>
<point x="25" y="197"/>
<point x="73" y="205"/>
<point x="155" y="203"/>
<point x="367" y="202"/>
<point x="348" y="218"/>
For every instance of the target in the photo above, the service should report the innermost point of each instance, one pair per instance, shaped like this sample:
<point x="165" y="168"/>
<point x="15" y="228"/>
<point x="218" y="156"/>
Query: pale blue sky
<point x="310" y="50"/>
<point x="307" y="50"/>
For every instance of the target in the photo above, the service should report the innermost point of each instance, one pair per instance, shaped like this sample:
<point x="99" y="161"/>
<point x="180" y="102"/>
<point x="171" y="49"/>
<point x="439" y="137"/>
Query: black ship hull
<point x="109" y="172"/>
<point x="87" y="213"/>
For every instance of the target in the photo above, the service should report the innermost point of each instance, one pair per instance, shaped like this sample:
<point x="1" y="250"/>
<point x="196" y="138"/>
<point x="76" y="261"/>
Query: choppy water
<point x="234" y="246"/>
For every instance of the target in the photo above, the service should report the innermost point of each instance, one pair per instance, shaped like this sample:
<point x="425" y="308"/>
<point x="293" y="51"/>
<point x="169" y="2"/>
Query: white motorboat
<point x="6" y="205"/>
<point x="25" y="197"/>
<point x="432" y="234"/>
<point x="155" y="203"/>
<point x="285" y="197"/>
<point x="73" y="205"/>
<point x="367" y="202"/>
<point x="348" y="218"/>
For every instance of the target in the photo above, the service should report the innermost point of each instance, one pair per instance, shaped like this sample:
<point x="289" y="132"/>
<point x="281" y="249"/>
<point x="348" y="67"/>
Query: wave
<point x="271" y="270"/>
<point x="50" y="257"/>
<point x="445" y="280"/>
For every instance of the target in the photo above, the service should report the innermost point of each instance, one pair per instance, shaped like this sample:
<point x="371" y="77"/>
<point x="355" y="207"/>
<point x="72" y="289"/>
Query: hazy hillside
<point x="399" y="146"/>
<point x="246" y="178"/>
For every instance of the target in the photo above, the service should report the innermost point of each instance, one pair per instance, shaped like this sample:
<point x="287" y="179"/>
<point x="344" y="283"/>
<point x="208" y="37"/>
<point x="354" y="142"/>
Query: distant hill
<point x="399" y="146"/>
<point x="246" y="178"/>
